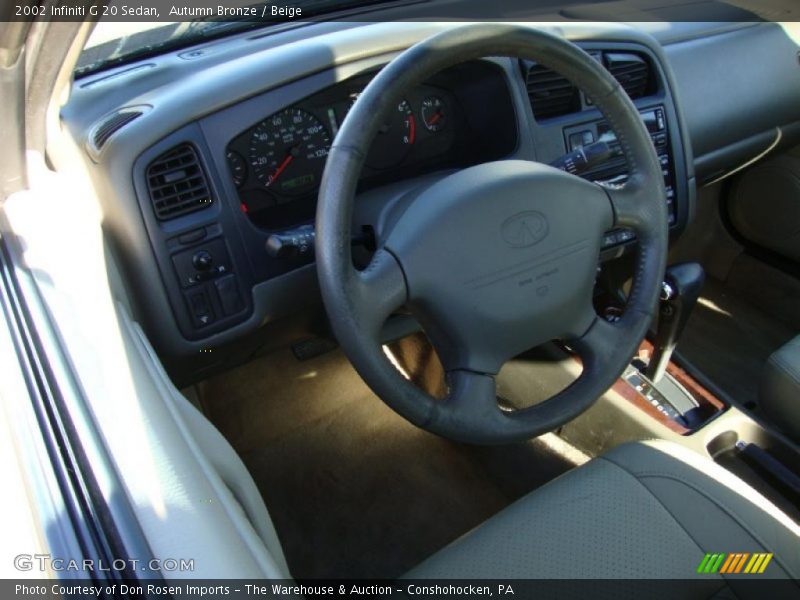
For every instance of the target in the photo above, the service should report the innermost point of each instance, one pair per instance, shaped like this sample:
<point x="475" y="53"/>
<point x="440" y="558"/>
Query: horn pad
<point x="502" y="257"/>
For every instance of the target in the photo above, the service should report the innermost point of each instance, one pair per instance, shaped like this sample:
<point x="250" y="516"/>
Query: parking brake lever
<point x="679" y="293"/>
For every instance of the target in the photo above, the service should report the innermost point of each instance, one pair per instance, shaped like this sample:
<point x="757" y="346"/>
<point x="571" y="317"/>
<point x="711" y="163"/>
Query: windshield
<point x="116" y="42"/>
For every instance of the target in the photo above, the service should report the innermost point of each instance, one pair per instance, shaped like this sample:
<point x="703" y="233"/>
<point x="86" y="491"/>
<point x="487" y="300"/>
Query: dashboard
<point x="201" y="162"/>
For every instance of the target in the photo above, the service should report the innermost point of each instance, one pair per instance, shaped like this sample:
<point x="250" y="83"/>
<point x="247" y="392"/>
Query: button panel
<point x="202" y="263"/>
<point x="210" y="287"/>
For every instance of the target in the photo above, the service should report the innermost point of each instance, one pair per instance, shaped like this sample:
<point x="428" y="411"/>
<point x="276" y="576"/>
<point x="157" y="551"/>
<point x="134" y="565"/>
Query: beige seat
<point x="646" y="510"/>
<point x="780" y="388"/>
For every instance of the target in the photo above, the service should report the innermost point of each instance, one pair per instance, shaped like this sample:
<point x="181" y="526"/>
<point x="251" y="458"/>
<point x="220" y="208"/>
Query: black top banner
<point x="281" y="11"/>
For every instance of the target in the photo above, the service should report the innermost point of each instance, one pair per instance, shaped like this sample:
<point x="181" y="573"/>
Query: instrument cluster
<point x="276" y="165"/>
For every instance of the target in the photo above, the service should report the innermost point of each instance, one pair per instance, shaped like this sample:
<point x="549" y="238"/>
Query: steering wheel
<point x="494" y="259"/>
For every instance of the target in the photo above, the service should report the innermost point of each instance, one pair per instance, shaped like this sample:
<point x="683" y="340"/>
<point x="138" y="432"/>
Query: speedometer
<point x="288" y="151"/>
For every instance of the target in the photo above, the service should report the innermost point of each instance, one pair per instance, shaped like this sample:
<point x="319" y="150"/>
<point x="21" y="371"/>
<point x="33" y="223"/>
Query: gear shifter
<point x="679" y="293"/>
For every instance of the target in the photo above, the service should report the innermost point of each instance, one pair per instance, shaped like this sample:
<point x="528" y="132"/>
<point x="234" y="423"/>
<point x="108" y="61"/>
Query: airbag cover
<point x="508" y="246"/>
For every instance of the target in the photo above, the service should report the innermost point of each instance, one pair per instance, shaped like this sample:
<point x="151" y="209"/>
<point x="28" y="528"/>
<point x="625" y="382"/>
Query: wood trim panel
<point x="707" y="402"/>
<point x="698" y="392"/>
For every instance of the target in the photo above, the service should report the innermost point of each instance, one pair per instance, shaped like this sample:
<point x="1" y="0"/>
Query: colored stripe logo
<point x="736" y="562"/>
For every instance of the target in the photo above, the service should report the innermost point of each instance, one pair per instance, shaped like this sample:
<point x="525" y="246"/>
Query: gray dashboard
<point x="225" y="88"/>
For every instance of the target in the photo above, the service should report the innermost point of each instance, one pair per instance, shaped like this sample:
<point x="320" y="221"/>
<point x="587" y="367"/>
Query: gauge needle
<point x="435" y="118"/>
<point x="289" y="158"/>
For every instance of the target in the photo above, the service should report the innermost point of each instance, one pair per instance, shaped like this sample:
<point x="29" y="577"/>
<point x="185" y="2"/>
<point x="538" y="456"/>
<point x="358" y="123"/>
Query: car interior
<point x="435" y="300"/>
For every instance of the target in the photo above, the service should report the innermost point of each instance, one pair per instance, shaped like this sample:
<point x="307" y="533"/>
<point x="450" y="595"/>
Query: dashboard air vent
<point x="632" y="71"/>
<point x="550" y="94"/>
<point x="111" y="125"/>
<point x="177" y="183"/>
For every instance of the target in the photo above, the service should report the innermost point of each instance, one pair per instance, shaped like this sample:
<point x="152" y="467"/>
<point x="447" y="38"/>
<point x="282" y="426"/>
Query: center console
<point x="666" y="400"/>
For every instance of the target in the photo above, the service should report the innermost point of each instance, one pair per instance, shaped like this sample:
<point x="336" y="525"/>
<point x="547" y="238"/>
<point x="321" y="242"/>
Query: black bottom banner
<point x="229" y="589"/>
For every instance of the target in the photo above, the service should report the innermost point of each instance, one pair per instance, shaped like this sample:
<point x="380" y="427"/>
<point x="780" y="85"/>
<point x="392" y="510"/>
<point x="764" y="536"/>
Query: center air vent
<point x="632" y="71"/>
<point x="550" y="94"/>
<point x="177" y="183"/>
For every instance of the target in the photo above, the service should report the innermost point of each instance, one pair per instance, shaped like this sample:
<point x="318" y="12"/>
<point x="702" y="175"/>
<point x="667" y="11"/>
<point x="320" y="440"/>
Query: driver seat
<point x="649" y="510"/>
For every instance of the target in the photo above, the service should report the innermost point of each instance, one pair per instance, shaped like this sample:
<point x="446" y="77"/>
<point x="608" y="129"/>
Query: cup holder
<point x="724" y="442"/>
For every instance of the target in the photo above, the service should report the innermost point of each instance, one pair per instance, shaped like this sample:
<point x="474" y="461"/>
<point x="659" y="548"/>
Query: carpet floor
<point x="354" y="490"/>
<point x="729" y="340"/>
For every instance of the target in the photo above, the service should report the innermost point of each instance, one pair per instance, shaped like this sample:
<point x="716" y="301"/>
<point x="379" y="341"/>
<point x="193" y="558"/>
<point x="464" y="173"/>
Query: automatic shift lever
<point x="679" y="293"/>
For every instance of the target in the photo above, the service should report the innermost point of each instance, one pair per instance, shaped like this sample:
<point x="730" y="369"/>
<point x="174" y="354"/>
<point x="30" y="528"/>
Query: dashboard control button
<point x="203" y="263"/>
<point x="229" y="297"/>
<point x="200" y="307"/>
<point x="202" y="260"/>
<point x="580" y="139"/>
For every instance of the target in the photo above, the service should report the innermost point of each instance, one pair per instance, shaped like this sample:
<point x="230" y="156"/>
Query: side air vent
<point x="177" y="183"/>
<point x="111" y="125"/>
<point x="632" y="71"/>
<point x="550" y="94"/>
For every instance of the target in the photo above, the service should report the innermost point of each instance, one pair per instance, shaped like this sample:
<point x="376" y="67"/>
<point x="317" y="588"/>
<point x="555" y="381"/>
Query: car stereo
<point x="615" y="169"/>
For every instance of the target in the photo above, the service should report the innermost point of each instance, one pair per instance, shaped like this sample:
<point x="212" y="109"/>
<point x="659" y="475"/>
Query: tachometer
<point x="288" y="151"/>
<point x="395" y="137"/>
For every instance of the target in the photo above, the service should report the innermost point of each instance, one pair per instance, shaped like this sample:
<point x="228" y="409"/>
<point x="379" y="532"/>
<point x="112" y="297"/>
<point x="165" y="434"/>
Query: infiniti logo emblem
<point x="524" y="229"/>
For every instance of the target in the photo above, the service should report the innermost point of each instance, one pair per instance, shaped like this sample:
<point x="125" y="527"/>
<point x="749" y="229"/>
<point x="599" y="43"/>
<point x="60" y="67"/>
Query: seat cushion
<point x="642" y="511"/>
<point x="780" y="388"/>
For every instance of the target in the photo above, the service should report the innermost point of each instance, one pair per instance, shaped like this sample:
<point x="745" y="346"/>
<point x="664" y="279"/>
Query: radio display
<point x="653" y="120"/>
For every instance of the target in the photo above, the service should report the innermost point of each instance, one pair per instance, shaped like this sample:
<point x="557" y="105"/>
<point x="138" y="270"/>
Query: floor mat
<point x="353" y="489"/>
<point x="729" y="340"/>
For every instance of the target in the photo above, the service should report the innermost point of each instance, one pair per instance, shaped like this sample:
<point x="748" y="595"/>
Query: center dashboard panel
<point x="214" y="192"/>
<point x="565" y="120"/>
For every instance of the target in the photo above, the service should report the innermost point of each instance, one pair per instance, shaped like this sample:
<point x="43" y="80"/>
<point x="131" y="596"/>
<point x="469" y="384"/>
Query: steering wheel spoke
<point x="381" y="289"/>
<point x="627" y="202"/>
<point x="473" y="396"/>
<point x="599" y="342"/>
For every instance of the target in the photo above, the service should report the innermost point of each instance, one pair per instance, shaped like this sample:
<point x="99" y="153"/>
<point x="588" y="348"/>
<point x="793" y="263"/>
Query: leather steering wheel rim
<point x="359" y="302"/>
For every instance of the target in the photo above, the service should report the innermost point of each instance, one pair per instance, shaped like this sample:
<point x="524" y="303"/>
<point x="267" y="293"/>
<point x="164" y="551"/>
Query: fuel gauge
<point x="434" y="114"/>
